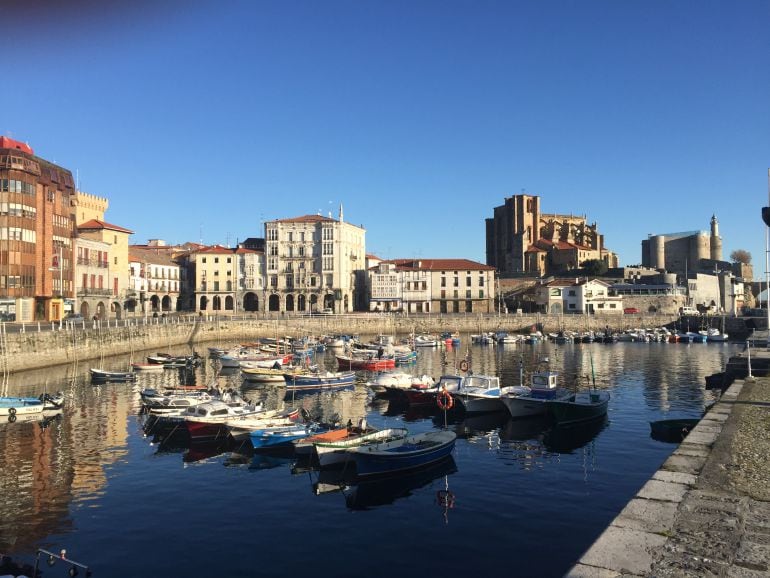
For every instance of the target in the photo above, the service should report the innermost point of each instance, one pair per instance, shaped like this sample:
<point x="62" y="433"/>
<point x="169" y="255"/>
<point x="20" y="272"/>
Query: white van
<point x="686" y="310"/>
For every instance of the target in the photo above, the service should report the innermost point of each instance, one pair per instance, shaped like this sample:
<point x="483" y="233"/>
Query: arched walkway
<point x="85" y="310"/>
<point x="290" y="303"/>
<point x="250" y="302"/>
<point x="154" y="303"/>
<point x="229" y="303"/>
<point x="275" y="303"/>
<point x="204" y="303"/>
<point x="117" y="310"/>
<point x="301" y="302"/>
<point x="165" y="303"/>
<point x="216" y="303"/>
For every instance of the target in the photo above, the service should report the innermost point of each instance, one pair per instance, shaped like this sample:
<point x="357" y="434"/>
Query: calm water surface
<point x="527" y="499"/>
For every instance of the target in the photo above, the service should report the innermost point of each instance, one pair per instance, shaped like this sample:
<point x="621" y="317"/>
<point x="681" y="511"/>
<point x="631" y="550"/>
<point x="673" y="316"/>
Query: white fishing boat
<point x="336" y="452"/>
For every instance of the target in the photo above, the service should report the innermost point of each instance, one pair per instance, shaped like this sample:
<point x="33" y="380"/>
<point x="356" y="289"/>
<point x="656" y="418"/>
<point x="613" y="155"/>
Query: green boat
<point x="579" y="407"/>
<point x="672" y="430"/>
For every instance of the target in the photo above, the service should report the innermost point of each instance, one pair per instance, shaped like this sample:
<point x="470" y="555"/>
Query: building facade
<point x="522" y="240"/>
<point x="154" y="283"/>
<point x="432" y="286"/>
<point x="92" y="277"/>
<point x="401" y="288"/>
<point x="681" y="253"/>
<point x="112" y="304"/>
<point x="36" y="231"/>
<point x="313" y="263"/>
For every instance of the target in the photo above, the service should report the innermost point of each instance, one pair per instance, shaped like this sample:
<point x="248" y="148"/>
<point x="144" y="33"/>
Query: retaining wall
<point x="34" y="346"/>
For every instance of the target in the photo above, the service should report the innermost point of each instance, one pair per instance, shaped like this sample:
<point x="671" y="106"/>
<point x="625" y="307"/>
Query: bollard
<point x="748" y="360"/>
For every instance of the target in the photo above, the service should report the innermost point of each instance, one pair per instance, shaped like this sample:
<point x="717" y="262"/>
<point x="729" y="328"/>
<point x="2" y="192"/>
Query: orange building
<point x="36" y="230"/>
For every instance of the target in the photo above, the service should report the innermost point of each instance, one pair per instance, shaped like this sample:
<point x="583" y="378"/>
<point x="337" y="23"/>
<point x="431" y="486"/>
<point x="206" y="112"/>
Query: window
<point x="456" y="282"/>
<point x="203" y="260"/>
<point x="443" y="281"/>
<point x="114" y="239"/>
<point x="481" y="294"/>
<point x="468" y="282"/>
<point x="216" y="259"/>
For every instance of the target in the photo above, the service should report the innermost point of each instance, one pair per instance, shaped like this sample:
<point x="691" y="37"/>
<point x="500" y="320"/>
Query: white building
<point x="399" y="288"/>
<point x="154" y="282"/>
<point x="314" y="262"/>
<point x="435" y="285"/>
<point x="591" y="296"/>
<point x="92" y="275"/>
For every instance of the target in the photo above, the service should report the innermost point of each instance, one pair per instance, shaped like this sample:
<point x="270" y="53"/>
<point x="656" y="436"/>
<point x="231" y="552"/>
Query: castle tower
<point x="716" y="240"/>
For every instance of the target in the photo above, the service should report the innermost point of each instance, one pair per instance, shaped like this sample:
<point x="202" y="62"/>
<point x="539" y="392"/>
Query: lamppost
<point x="766" y="219"/>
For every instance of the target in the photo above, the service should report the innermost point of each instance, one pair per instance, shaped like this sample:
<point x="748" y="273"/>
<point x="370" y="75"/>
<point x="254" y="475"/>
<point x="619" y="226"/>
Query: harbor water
<point x="518" y="497"/>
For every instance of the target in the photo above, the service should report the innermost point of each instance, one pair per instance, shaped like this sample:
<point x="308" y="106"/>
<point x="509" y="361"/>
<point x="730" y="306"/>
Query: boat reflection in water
<point x="383" y="491"/>
<point x="203" y="451"/>
<point x="470" y="426"/>
<point x="567" y="439"/>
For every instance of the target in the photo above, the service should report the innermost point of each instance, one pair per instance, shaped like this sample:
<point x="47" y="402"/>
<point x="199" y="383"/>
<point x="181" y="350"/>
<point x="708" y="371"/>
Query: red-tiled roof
<point x="440" y="264"/>
<point x="243" y="251"/>
<point x="216" y="250"/>
<point x="9" y="143"/>
<point x="307" y="219"/>
<point x="94" y="224"/>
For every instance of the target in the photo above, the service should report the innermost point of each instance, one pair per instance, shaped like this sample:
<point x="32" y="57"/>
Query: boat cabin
<point x="544" y="380"/>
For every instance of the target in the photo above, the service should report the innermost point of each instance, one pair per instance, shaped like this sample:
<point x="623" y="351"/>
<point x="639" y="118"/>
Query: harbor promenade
<point x="706" y="511"/>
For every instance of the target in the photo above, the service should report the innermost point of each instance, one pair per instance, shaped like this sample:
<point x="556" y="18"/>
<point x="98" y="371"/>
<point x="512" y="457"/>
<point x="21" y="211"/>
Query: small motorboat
<point x="672" y="430"/>
<point x="403" y="454"/>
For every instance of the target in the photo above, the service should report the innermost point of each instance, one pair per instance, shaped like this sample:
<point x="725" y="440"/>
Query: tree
<point x="740" y="256"/>
<point x="594" y="267"/>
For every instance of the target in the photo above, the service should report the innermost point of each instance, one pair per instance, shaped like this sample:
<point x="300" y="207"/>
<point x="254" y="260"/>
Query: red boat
<point x="366" y="363"/>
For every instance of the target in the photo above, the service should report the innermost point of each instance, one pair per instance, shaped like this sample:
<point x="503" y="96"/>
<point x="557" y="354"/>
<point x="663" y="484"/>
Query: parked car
<point x="630" y="310"/>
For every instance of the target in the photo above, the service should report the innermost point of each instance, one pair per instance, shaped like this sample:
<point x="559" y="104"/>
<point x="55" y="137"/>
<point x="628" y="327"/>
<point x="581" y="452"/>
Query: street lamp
<point x="766" y="219"/>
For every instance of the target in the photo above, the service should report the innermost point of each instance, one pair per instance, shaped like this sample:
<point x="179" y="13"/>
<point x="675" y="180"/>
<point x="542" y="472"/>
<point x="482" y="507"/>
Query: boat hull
<point x="410" y="453"/>
<point x="580" y="407"/>
<point x="331" y="453"/>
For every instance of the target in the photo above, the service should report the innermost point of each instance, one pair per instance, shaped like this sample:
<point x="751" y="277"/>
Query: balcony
<point x="91" y="292"/>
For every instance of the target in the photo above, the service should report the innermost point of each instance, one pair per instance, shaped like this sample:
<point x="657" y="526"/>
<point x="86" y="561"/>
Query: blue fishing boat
<point x="403" y="454"/>
<point x="319" y="381"/>
<point x="272" y="437"/>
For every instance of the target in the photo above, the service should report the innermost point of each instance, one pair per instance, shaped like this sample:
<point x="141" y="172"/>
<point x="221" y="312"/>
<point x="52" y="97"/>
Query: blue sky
<point x="200" y="120"/>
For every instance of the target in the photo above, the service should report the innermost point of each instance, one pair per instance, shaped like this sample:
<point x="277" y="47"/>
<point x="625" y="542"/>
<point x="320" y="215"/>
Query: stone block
<point x="702" y="438"/>
<point x="583" y="571"/>
<point x="675" y="477"/>
<point x="652" y="516"/>
<point x="752" y="555"/>
<point x="685" y="464"/>
<point x="663" y="491"/>
<point x="623" y="550"/>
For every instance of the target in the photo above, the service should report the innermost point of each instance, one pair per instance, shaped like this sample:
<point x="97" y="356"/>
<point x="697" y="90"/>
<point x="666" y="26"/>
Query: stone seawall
<point x="34" y="346"/>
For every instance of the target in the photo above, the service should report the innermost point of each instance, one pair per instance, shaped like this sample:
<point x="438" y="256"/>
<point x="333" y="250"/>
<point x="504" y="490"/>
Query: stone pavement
<point x="706" y="511"/>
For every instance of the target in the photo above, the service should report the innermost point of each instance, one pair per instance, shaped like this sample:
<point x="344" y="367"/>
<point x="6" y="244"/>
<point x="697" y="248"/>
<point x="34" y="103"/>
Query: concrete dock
<point x="706" y="511"/>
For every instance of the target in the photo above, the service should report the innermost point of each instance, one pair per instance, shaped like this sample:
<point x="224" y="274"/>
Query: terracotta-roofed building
<point x="522" y="240"/>
<point x="432" y="285"/>
<point x="155" y="281"/>
<point x="107" y="298"/>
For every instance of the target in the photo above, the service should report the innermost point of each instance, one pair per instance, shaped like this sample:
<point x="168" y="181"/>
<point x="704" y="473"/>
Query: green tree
<point x="594" y="267"/>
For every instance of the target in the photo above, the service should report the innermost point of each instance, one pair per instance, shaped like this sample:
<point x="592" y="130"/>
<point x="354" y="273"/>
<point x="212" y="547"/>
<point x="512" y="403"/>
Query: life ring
<point x="444" y="400"/>
<point x="11" y="418"/>
<point x="464" y="365"/>
<point x="12" y="411"/>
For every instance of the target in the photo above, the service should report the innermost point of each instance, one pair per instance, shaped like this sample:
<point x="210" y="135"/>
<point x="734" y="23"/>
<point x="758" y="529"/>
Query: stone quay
<point x="706" y="511"/>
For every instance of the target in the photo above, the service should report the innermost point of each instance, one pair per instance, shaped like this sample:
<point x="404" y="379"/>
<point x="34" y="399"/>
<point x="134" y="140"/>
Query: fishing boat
<point x="337" y="451"/>
<point x="319" y="381"/>
<point x="206" y="421"/>
<point x="579" y="407"/>
<point x="147" y="367"/>
<point x="398" y="381"/>
<point x="273" y="437"/>
<point x="523" y="401"/>
<point x="672" y="430"/>
<point x="11" y="407"/>
<point x="427" y="395"/>
<point x="263" y="375"/>
<point x="480" y="394"/>
<point x="403" y="454"/>
<point x="240" y="428"/>
<point x="366" y="363"/>
<point x="116" y="376"/>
